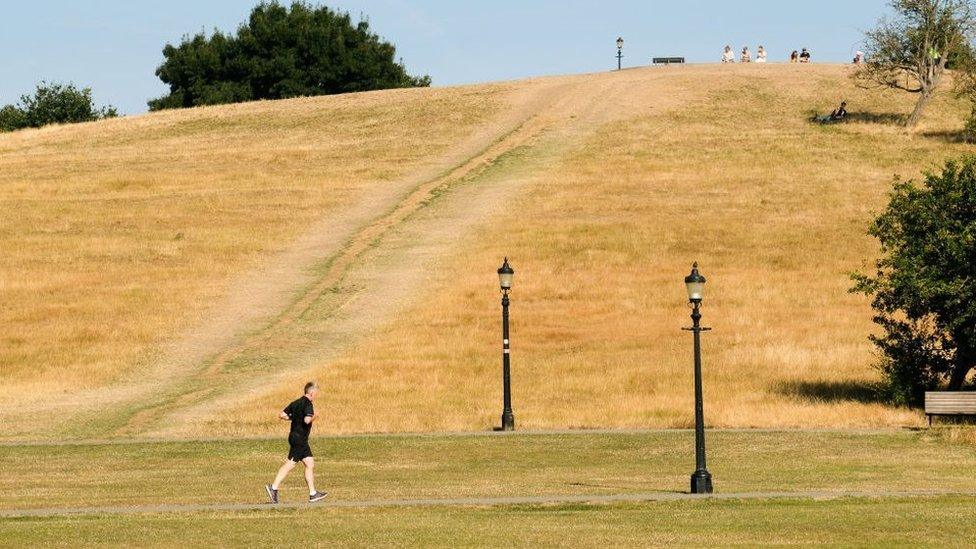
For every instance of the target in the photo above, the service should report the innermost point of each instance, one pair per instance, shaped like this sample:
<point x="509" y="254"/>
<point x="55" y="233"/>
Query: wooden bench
<point x="667" y="60"/>
<point x="950" y="403"/>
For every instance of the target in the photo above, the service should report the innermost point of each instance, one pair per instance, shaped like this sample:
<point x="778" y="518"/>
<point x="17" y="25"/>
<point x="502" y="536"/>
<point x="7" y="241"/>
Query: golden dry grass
<point x="116" y="235"/>
<point x="123" y="231"/>
<point x="775" y="209"/>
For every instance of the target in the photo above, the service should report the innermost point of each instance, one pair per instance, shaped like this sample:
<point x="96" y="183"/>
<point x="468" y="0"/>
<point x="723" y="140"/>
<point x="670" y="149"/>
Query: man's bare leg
<point x="313" y="494"/>
<point x="309" y="463"/>
<point x="282" y="473"/>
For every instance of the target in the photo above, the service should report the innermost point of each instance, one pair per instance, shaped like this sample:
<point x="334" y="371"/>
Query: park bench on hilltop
<point x="667" y="60"/>
<point x="950" y="403"/>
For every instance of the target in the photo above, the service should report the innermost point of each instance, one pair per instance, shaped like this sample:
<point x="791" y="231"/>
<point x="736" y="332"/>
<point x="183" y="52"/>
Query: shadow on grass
<point x="949" y="421"/>
<point x="956" y="136"/>
<point x="883" y="118"/>
<point x="835" y="391"/>
<point x="880" y="118"/>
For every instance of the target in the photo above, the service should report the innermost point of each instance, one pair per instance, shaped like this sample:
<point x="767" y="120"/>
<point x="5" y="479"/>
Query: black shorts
<point x="298" y="449"/>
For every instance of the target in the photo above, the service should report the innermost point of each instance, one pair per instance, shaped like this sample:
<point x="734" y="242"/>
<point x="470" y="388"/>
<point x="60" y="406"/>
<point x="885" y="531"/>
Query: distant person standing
<point x="301" y="414"/>
<point x="761" y="55"/>
<point x="746" y="56"/>
<point x="805" y="56"/>
<point x="728" y="56"/>
<point x="795" y="57"/>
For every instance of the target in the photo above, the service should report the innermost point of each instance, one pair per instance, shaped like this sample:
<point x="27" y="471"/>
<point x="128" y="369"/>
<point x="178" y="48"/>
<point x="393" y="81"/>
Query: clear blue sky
<point x="114" y="46"/>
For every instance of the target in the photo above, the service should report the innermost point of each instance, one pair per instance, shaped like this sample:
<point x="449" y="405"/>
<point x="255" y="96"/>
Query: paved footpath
<point x="469" y="502"/>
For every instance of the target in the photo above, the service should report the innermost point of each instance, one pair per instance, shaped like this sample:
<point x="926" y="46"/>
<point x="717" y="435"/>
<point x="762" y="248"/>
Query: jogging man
<point x="301" y="415"/>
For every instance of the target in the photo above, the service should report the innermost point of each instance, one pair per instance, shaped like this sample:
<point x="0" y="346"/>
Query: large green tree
<point x="301" y="50"/>
<point x="924" y="287"/>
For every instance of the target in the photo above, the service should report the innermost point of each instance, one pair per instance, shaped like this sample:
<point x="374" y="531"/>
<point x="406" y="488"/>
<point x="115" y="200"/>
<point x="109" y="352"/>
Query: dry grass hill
<point x="181" y="273"/>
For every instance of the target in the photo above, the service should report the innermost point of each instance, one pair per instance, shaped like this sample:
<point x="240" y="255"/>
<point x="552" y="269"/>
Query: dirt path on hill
<point x="425" y="226"/>
<point x="255" y="297"/>
<point x="385" y="282"/>
<point x="195" y="371"/>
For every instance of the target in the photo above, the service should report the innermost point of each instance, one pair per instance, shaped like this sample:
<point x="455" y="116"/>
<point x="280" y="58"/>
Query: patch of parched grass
<point x="727" y="172"/>
<point x="739" y="181"/>
<point x="94" y="279"/>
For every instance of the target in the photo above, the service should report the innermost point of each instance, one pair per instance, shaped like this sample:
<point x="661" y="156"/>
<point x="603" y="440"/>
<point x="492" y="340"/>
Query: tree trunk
<point x="923" y="100"/>
<point x="929" y="82"/>
<point x="963" y="365"/>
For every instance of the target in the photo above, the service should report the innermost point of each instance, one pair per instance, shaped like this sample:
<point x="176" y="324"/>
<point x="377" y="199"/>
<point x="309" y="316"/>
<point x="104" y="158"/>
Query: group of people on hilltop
<point x="803" y="56"/>
<point x="728" y="56"/>
<point x="745" y="56"/>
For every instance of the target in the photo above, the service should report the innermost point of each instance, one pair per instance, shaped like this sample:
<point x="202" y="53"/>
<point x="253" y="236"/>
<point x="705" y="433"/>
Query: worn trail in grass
<point x="478" y="502"/>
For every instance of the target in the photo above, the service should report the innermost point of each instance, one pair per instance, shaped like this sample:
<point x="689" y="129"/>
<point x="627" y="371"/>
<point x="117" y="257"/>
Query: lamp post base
<point x="701" y="482"/>
<point x="508" y="422"/>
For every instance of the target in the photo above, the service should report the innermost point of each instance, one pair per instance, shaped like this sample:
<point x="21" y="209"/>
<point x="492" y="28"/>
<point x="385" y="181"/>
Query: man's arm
<point x="283" y="415"/>
<point x="309" y="414"/>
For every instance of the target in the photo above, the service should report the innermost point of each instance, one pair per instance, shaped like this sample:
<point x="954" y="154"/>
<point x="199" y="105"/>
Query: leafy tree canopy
<point x="280" y="52"/>
<point x="924" y="288"/>
<point x="53" y="104"/>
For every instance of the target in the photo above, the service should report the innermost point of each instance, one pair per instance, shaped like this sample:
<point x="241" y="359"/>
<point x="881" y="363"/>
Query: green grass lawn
<point x="416" y="466"/>
<point x="917" y="522"/>
<point x="393" y="467"/>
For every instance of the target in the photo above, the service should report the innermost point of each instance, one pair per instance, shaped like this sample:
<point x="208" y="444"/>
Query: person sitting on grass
<point x="746" y="57"/>
<point x="805" y="56"/>
<point x="837" y="115"/>
<point x="727" y="55"/>
<point x="761" y="55"/>
<point x="795" y="57"/>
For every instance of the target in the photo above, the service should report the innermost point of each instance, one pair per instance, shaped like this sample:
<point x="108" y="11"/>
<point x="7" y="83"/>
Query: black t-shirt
<point x="297" y="411"/>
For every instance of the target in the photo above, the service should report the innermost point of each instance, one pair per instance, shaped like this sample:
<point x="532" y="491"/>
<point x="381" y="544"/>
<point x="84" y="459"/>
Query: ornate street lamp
<point x="620" y="52"/>
<point x="505" y="276"/>
<point x="701" y="479"/>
